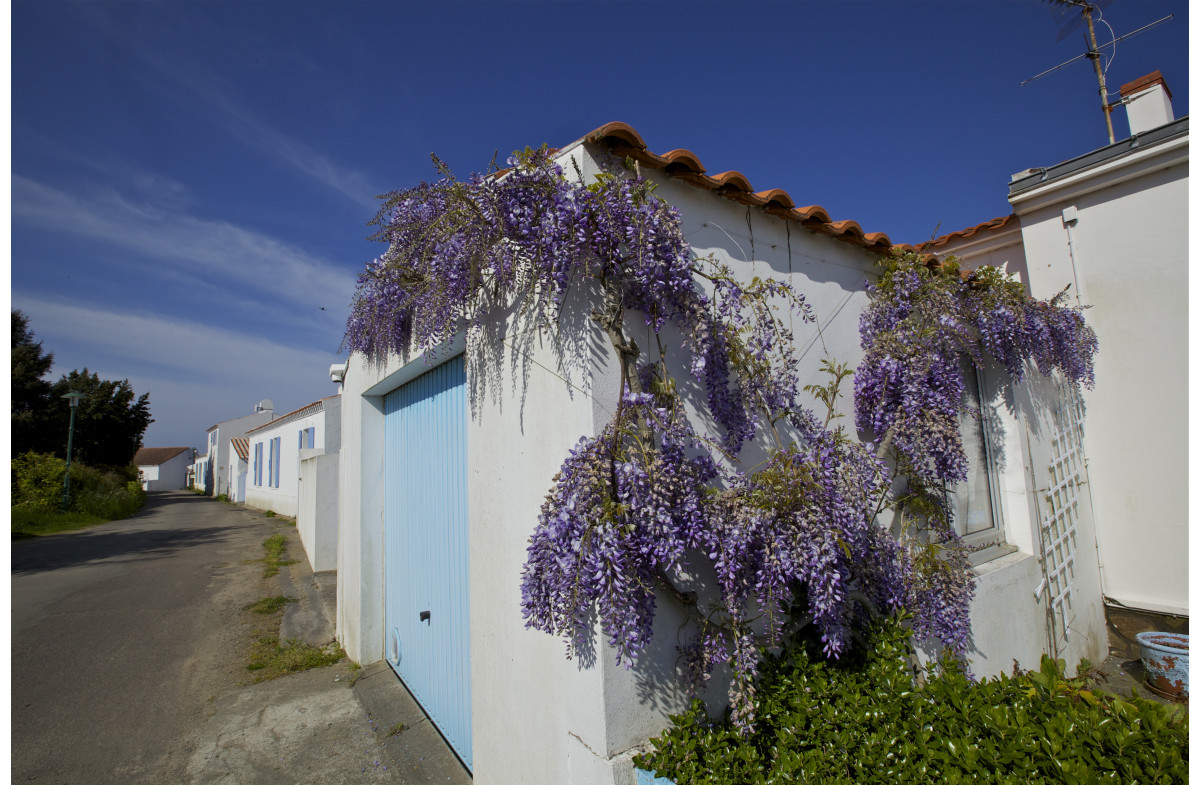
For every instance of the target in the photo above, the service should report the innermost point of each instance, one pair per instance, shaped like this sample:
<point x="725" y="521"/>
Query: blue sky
<point x="191" y="182"/>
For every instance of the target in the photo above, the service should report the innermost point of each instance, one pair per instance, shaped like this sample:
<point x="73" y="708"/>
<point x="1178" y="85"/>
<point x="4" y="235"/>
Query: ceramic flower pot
<point x="1165" y="658"/>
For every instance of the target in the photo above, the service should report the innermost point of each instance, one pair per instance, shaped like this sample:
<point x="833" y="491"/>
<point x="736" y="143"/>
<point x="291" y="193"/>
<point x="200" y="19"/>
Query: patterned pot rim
<point x="1167" y="642"/>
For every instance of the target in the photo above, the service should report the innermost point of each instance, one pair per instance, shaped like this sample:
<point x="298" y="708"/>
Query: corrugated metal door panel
<point x="426" y="563"/>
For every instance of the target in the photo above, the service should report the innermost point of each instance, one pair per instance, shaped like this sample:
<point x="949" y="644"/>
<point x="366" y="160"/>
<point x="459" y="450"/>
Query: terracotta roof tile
<point x="684" y="165"/>
<point x="295" y="414"/>
<point x="156" y="456"/>
<point x="995" y="223"/>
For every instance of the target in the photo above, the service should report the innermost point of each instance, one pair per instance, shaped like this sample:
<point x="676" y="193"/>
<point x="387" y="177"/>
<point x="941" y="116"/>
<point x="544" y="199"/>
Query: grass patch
<point x="276" y="548"/>
<point x="269" y="513"/>
<point x="27" y="523"/>
<point x="268" y="605"/>
<point x="397" y="729"/>
<point x="270" y="659"/>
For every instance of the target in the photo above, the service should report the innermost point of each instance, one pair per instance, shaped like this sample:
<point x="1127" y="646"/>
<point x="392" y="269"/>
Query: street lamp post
<point x="73" y="398"/>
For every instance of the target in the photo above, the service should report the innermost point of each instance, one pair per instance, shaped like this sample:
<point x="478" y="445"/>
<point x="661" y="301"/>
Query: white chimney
<point x="1147" y="103"/>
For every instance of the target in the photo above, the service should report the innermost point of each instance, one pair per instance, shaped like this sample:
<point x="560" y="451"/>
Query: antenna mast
<point x="1094" y="55"/>
<point x="1093" y="52"/>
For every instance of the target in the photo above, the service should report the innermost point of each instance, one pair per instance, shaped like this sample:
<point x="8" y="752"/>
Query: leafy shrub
<point x="104" y="493"/>
<point x="37" y="481"/>
<point x="108" y="494"/>
<point x="871" y="722"/>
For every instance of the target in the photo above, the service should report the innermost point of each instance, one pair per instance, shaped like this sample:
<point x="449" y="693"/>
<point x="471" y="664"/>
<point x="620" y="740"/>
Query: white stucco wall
<point x="316" y="516"/>
<point x="1126" y="255"/>
<point x="283" y="499"/>
<point x="237" y="467"/>
<point x="168" y="476"/>
<point x="218" y="440"/>
<point x="579" y="724"/>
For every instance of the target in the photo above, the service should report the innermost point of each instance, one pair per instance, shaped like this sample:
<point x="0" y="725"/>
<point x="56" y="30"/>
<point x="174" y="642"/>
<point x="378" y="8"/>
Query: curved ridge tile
<point x="812" y="213"/>
<point x="776" y="197"/>
<point x="734" y="180"/>
<point x="685" y="159"/>
<point x="619" y="131"/>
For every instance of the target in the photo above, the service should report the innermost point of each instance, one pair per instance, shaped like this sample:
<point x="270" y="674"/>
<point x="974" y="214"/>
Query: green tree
<point x="30" y="392"/>
<point x="109" y="423"/>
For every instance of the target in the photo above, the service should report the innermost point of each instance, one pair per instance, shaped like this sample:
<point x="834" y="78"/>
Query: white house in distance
<point x="163" y="468"/>
<point x="216" y="471"/>
<point x="1113" y="225"/>
<point x="238" y="467"/>
<point x="445" y="467"/>
<point x="198" y="473"/>
<point x="278" y="449"/>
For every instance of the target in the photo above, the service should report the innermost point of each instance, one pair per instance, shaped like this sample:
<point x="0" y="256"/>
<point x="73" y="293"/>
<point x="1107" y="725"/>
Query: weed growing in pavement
<point x="276" y="548"/>
<point x="268" y="605"/>
<point x="397" y="729"/>
<point x="270" y="659"/>
<point x="269" y="513"/>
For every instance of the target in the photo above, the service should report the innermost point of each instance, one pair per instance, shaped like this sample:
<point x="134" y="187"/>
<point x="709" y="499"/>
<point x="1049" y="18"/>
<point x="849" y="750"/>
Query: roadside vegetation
<point x="275" y="547"/>
<point x="267" y="656"/>
<point x="98" y="495"/>
<point x="270" y="658"/>
<point x="869" y="720"/>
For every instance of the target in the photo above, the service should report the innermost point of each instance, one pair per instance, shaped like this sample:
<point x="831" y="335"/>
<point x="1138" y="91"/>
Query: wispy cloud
<point x="186" y="82"/>
<point x="220" y="248"/>
<point x="196" y="374"/>
<point x="151" y="186"/>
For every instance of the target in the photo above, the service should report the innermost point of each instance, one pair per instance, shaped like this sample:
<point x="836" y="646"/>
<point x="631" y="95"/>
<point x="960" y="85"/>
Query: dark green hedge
<point x="868" y="722"/>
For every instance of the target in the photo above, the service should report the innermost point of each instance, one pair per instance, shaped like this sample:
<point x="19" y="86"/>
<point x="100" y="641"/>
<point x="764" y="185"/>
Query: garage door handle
<point x="424" y="615"/>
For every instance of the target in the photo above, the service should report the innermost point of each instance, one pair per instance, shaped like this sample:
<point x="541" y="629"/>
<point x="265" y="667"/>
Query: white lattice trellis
<point x="1066" y="473"/>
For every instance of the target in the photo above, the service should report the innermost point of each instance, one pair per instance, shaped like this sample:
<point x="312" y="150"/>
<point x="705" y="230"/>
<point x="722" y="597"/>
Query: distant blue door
<point x="426" y="608"/>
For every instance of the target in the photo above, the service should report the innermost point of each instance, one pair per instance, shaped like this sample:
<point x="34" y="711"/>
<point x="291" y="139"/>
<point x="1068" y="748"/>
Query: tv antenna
<point x="1093" y="52"/>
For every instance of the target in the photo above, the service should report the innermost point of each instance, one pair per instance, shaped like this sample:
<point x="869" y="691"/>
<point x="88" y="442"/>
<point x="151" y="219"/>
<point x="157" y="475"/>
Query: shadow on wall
<point x="209" y="479"/>
<point x="501" y="351"/>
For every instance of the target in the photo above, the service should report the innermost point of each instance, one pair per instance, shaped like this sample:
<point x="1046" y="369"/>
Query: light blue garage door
<point x="426" y="608"/>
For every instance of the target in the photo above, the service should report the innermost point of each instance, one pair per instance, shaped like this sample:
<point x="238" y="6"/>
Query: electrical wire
<point x="1109" y="58"/>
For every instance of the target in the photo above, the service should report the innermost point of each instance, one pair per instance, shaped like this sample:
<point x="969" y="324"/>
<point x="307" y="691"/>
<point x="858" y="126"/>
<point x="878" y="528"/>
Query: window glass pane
<point x="972" y="500"/>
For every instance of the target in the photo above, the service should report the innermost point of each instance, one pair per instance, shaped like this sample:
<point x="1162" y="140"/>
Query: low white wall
<point x="316" y="517"/>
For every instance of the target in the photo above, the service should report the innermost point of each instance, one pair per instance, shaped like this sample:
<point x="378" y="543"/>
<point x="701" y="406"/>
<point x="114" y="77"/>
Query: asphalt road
<point x="122" y="639"/>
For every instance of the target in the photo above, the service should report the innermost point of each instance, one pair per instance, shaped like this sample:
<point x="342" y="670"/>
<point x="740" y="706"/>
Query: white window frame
<point x="276" y="447"/>
<point x="990" y="543"/>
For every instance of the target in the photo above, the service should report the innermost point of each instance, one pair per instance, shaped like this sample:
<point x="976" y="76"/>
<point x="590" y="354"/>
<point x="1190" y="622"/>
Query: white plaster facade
<point x="199" y="473"/>
<point x="216" y="472"/>
<point x="165" y="473"/>
<point x="238" y="467"/>
<point x="1114" y="226"/>
<point x="280" y="491"/>
<point x="580" y="723"/>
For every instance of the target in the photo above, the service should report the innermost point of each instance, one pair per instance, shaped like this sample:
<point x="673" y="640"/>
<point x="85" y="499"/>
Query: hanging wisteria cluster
<point x="793" y="541"/>
<point x="927" y="326"/>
